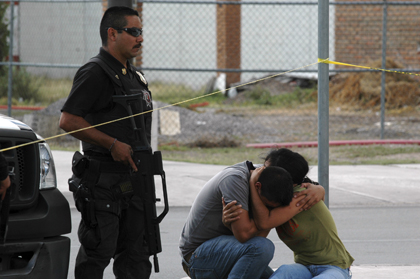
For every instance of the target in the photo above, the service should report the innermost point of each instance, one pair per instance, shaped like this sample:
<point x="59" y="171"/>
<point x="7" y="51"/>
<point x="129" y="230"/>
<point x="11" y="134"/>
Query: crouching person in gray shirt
<point x="211" y="250"/>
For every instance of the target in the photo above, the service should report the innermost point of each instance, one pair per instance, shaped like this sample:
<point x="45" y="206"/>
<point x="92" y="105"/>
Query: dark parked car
<point x="39" y="213"/>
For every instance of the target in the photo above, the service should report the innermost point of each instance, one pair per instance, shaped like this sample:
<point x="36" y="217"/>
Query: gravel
<point x="210" y="127"/>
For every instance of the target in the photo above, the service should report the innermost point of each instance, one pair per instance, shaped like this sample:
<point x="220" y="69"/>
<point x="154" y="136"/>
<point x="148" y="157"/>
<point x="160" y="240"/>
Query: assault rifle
<point x="148" y="164"/>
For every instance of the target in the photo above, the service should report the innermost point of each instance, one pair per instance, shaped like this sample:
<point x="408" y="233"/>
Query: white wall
<point x="175" y="36"/>
<point x="58" y="33"/>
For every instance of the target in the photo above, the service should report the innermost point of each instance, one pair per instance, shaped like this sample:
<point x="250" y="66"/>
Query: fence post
<point x="10" y="76"/>
<point x="138" y="62"/>
<point x="229" y="39"/>
<point x="323" y="95"/>
<point x="383" y="85"/>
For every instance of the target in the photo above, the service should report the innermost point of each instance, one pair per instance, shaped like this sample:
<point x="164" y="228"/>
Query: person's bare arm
<point x="267" y="219"/>
<point x="244" y="228"/>
<point x="264" y="218"/>
<point x="263" y="233"/>
<point x="237" y="220"/>
<point x="311" y="196"/>
<point x="231" y="212"/>
<point x="121" y="152"/>
<point x="4" y="185"/>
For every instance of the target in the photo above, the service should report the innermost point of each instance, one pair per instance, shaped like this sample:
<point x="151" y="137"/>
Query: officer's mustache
<point x="137" y="46"/>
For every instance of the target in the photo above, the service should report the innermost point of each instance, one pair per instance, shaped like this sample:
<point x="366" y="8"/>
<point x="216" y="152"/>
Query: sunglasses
<point x="133" y="31"/>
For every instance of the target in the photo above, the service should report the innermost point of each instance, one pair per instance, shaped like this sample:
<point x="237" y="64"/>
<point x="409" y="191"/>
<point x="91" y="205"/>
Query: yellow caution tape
<point x="327" y="61"/>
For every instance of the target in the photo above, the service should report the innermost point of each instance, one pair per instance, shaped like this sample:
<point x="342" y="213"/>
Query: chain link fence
<point x="205" y="51"/>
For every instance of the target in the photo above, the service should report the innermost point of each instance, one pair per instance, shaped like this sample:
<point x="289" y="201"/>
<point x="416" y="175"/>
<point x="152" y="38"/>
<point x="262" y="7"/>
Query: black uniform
<point x="3" y="167"/>
<point x="119" y="228"/>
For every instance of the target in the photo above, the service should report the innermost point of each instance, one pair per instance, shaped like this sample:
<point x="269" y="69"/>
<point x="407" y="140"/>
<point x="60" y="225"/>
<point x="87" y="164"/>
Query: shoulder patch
<point x="142" y="77"/>
<point x="147" y="98"/>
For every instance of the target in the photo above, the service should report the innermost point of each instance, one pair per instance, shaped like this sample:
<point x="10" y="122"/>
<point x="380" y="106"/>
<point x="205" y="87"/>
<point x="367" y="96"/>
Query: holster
<point x="85" y="204"/>
<point x="79" y="164"/>
<point x="86" y="172"/>
<point x="82" y="184"/>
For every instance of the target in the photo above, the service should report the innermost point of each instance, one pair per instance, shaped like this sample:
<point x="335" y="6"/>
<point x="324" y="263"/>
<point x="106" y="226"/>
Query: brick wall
<point x="358" y="33"/>
<point x="229" y="40"/>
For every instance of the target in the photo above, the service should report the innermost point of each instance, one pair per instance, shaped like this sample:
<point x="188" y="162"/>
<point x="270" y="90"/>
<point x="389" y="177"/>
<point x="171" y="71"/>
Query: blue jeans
<point x="299" y="271"/>
<point x="225" y="257"/>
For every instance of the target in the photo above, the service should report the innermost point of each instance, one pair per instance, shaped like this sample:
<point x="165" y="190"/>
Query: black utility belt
<point x="80" y="163"/>
<point x="111" y="167"/>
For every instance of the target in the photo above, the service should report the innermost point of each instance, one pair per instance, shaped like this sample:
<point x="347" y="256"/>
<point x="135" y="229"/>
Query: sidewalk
<point x="351" y="188"/>
<point x="382" y="272"/>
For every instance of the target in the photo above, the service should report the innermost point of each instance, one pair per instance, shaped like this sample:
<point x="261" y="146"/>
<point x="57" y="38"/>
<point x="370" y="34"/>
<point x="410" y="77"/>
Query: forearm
<point x="263" y="233"/>
<point x="310" y="196"/>
<point x="4" y="185"/>
<point x="242" y="232"/>
<point x="237" y="220"/>
<point x="278" y="216"/>
<point x="266" y="219"/>
<point x="259" y="210"/>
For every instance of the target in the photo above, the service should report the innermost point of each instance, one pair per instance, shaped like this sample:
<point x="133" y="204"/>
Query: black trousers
<point x="117" y="235"/>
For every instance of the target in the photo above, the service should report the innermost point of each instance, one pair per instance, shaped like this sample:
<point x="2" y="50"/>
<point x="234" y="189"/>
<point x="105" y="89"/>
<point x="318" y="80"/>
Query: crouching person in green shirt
<point x="311" y="234"/>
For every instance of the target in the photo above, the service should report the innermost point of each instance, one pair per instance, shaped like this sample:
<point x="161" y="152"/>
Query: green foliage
<point x="215" y="97"/>
<point x="297" y="97"/>
<point x="260" y="95"/>
<point x="257" y="96"/>
<point x="25" y="86"/>
<point x="339" y="155"/>
<point x="217" y="156"/>
<point x="174" y="93"/>
<point x="377" y="150"/>
<point x="263" y="97"/>
<point x="4" y="33"/>
<point x="52" y="90"/>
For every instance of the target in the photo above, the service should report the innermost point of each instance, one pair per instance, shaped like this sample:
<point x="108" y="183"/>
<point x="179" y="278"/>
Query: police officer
<point x="111" y="225"/>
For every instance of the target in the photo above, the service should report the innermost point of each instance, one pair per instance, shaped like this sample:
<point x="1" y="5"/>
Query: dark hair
<point x="291" y="161"/>
<point x="276" y="185"/>
<point x="114" y="17"/>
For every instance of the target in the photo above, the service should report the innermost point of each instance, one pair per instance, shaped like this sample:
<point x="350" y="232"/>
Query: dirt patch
<point x="363" y="90"/>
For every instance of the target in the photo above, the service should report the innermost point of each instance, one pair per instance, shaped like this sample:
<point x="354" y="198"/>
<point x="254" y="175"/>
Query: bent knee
<point x="264" y="246"/>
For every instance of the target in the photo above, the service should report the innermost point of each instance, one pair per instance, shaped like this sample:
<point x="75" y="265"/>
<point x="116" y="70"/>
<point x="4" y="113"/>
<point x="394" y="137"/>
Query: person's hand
<point x="311" y="196"/>
<point x="4" y="185"/>
<point x="255" y="175"/>
<point x="231" y="212"/>
<point x="122" y="152"/>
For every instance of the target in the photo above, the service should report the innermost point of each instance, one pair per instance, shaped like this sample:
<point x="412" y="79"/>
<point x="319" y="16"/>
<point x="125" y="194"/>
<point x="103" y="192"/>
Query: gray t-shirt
<point x="204" y="221"/>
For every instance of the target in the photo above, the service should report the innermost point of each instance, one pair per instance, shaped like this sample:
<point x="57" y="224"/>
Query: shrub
<point x="25" y="87"/>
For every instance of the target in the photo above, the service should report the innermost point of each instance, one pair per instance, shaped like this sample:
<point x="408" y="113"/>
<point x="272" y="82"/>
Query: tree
<point x="4" y="34"/>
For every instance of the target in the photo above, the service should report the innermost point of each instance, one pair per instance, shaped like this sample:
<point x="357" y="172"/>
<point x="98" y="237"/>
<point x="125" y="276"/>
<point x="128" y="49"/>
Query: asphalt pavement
<point x="376" y="209"/>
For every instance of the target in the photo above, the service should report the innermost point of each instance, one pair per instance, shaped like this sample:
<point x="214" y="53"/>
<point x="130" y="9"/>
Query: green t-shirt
<point x="312" y="236"/>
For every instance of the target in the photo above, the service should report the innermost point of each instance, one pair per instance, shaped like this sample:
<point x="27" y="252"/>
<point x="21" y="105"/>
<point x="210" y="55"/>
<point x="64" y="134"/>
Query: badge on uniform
<point x="124" y="71"/>
<point x="147" y="98"/>
<point x="142" y="77"/>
